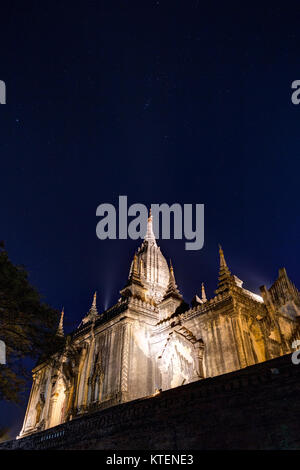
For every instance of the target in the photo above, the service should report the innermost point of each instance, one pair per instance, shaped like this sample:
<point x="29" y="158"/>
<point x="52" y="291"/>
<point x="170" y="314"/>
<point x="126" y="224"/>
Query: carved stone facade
<point x="153" y="340"/>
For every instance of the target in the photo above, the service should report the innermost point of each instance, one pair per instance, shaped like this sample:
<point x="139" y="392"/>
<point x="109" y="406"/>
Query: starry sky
<point x="162" y="101"/>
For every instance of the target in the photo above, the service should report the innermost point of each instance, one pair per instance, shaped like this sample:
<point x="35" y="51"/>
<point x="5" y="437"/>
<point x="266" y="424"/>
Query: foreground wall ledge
<point x="254" y="408"/>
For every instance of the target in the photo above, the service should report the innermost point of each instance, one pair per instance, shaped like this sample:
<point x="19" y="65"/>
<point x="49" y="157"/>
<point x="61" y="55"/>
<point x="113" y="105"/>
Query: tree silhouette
<point x="27" y="326"/>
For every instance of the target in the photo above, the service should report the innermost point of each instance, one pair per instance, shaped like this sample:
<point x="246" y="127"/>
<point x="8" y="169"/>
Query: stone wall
<point x="254" y="408"/>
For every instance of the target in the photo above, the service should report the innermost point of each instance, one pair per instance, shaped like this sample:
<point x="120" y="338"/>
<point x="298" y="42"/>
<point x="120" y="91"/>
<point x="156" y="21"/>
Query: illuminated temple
<point x="152" y="340"/>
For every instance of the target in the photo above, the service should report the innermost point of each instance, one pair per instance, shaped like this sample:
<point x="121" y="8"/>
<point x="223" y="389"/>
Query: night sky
<point x="162" y="101"/>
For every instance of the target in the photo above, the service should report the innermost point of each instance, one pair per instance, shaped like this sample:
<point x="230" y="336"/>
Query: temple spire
<point x="203" y="294"/>
<point x="134" y="286"/>
<point x="224" y="272"/>
<point x="93" y="309"/>
<point x="92" y="313"/>
<point x="172" y="289"/>
<point x="60" y="329"/>
<point x="150" y="237"/>
<point x="223" y="264"/>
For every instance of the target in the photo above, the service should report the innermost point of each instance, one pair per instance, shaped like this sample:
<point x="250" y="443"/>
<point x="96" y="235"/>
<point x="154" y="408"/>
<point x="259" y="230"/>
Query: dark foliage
<point x="27" y="326"/>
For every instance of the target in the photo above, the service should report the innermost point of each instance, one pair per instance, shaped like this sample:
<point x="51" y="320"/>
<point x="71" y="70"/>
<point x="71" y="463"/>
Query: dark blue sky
<point x="162" y="101"/>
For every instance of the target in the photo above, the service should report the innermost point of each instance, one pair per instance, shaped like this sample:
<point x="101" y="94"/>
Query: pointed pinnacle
<point x="94" y="303"/>
<point x="172" y="281"/>
<point x="203" y="294"/>
<point x="60" y="328"/>
<point x="135" y="274"/>
<point x="223" y="263"/>
<point x="93" y="310"/>
<point x="224" y="273"/>
<point x="172" y="288"/>
<point x="172" y="275"/>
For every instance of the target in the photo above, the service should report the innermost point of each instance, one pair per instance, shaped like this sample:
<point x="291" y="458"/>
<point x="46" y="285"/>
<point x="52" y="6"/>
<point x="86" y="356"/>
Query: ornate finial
<point x="60" y="329"/>
<point x="203" y="294"/>
<point x="149" y="214"/>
